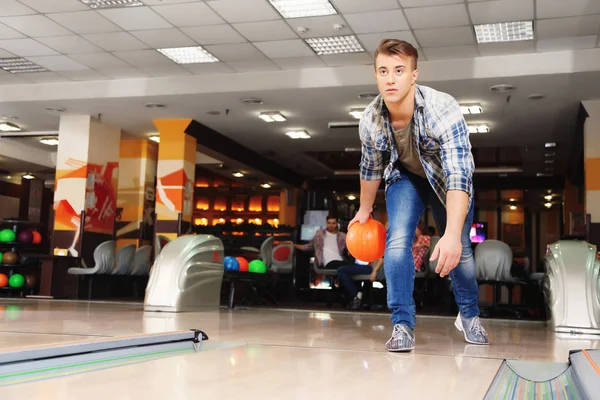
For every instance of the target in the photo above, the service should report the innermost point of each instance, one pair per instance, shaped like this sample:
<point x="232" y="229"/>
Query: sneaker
<point x="472" y="329"/>
<point x="354" y="304"/>
<point x="403" y="339"/>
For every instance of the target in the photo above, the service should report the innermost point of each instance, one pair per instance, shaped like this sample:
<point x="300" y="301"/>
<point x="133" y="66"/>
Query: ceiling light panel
<point x="49" y="141"/>
<point x="471" y="109"/>
<point x="9" y="127"/>
<point x="299" y="134"/>
<point x="356" y="113"/>
<point x="479" y="128"/>
<point x="189" y="55"/>
<point x="272" y="117"/>
<point x="17" y="65"/>
<point x="303" y="8"/>
<point x="504" y="32"/>
<point x="103" y="4"/>
<point x="335" y="45"/>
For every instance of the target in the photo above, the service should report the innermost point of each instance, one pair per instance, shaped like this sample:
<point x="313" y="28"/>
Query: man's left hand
<point x="447" y="251"/>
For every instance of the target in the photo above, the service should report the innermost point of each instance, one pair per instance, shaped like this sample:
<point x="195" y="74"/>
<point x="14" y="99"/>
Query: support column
<point x="86" y="180"/>
<point x="175" y="178"/>
<point x="591" y="137"/>
<point x="135" y="198"/>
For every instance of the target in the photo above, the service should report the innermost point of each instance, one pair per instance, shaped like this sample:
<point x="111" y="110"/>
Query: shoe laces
<point x="400" y="330"/>
<point x="475" y="327"/>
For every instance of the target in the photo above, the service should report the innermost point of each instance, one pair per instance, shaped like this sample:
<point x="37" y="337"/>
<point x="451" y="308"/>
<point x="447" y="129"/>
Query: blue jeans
<point x="345" y="274"/>
<point x="406" y="200"/>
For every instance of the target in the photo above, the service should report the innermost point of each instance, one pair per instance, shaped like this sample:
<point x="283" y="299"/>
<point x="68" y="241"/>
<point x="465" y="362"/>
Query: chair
<point x="141" y="261"/>
<point x="124" y="260"/>
<point x="159" y="242"/>
<point x="104" y="261"/>
<point x="330" y="274"/>
<point x="265" y="252"/>
<point x="282" y="259"/>
<point x="368" y="286"/>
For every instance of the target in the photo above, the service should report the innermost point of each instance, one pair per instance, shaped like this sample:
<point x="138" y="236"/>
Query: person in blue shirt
<point x="415" y="138"/>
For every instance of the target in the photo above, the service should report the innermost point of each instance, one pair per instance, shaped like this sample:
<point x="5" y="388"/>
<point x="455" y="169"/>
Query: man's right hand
<point x="361" y="216"/>
<point x="373" y="276"/>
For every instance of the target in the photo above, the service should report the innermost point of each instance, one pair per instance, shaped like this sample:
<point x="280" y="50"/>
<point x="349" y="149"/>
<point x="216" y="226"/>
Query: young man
<point x="424" y="135"/>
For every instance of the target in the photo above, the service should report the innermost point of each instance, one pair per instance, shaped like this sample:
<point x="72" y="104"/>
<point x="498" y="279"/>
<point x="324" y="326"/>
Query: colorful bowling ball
<point x="243" y="264"/>
<point x="3" y="280"/>
<point x="257" y="266"/>
<point x="37" y="237"/>
<point x="16" y="280"/>
<point x="366" y="242"/>
<point x="25" y="237"/>
<point x="10" y="258"/>
<point x="7" y="235"/>
<point x="30" y="281"/>
<point x="231" y="264"/>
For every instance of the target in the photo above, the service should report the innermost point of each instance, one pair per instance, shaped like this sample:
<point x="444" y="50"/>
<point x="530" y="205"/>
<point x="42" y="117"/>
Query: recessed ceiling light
<point x="352" y="149"/>
<point x="266" y="185"/>
<point x="213" y="112"/>
<point x="188" y="55"/>
<point x="238" y="174"/>
<point x="512" y="199"/>
<point x="367" y="95"/>
<point x="155" y="138"/>
<point x="551" y="144"/>
<point x="502" y="88"/>
<point x="357" y="112"/>
<point x="550" y="154"/>
<point x="513" y="207"/>
<point x="548" y="205"/>
<point x="154" y="105"/>
<point x="28" y="176"/>
<point x="9" y="127"/>
<point x="251" y="101"/>
<point x="548" y="197"/>
<point x="549" y="161"/>
<point x="99" y="4"/>
<point x="540" y="174"/>
<point x="272" y="116"/>
<point x="538" y="96"/>
<point x="471" y="109"/>
<point x="504" y="32"/>
<point x="335" y="45"/>
<point x="57" y="110"/>
<point x="303" y="8"/>
<point x="17" y="65"/>
<point x="479" y="128"/>
<point x="49" y="141"/>
<point x="9" y="117"/>
<point x="298" y="134"/>
<point x="352" y="197"/>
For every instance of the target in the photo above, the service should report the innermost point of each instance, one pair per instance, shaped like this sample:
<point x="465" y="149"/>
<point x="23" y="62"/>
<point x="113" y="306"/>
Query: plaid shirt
<point x="419" y="250"/>
<point x="318" y="244"/>
<point x="441" y="138"/>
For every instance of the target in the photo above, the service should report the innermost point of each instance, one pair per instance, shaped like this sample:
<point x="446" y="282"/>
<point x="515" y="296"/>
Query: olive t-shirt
<point x="407" y="153"/>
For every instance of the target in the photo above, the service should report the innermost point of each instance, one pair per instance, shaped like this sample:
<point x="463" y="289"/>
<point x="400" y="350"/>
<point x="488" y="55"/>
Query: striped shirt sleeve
<point x="371" y="160"/>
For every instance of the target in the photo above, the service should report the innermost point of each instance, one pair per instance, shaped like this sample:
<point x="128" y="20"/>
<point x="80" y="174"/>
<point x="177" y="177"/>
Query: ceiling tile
<point x="124" y="73"/>
<point x="377" y="21"/>
<point x="371" y="40"/>
<point x="43" y="77"/>
<point x="135" y="18"/>
<point x="299" y="62"/>
<point x="71" y="44"/>
<point x="9" y="33"/>
<point x="320" y="26"/>
<point x="427" y="3"/>
<point x="566" y="27"/>
<point x="45" y="6"/>
<point x="214" y="34"/>
<point x="87" y="75"/>
<point x="445" y="53"/>
<point x="143" y="58"/>
<point x="253" y="65"/>
<point x="165" y="70"/>
<point x="35" y="25"/>
<point x="100" y="60"/>
<point x="568" y="43"/>
<point x="26" y="48"/>
<point x="489" y="12"/>
<point x="5" y="54"/>
<point x="566" y="8"/>
<point x="161" y="38"/>
<point x="58" y="63"/>
<point x="357" y="6"/>
<point x="338" y="60"/>
<point x="189" y="14"/>
<point x="208" y="68"/>
<point x="285" y="48"/>
<point x="11" y="79"/>
<point x="461" y="35"/>
<point x="497" y="49"/>
<point x="266" y="30"/>
<point x="117" y="41"/>
<point x="437" y="17"/>
<point x="84" y="22"/>
<point x="13" y="7"/>
<point x="244" y="10"/>
<point x="235" y="52"/>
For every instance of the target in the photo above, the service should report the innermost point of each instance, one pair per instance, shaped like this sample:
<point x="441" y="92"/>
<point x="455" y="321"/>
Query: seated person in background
<point x="328" y="244"/>
<point x="345" y="274"/>
<point x="421" y="244"/>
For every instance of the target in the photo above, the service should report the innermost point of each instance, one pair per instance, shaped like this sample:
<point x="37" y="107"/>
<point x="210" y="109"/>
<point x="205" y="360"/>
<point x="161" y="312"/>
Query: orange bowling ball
<point x="366" y="242"/>
<point x="243" y="264"/>
<point x="3" y="280"/>
<point x="37" y="237"/>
